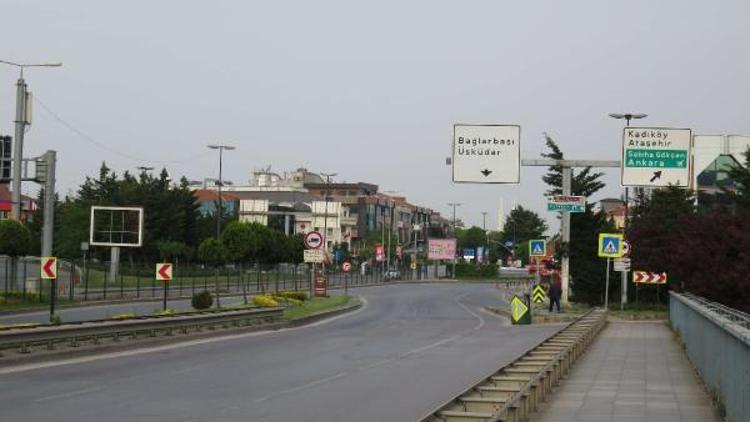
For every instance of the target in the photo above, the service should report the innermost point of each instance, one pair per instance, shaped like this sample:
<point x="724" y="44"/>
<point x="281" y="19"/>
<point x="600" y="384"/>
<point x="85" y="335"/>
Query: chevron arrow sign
<point x="646" y="277"/>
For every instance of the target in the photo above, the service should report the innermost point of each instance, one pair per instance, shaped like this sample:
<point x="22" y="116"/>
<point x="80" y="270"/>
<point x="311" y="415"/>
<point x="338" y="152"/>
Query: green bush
<point x="265" y="301"/>
<point x="19" y="297"/>
<point x="468" y="270"/>
<point x="296" y="295"/>
<point x="202" y="300"/>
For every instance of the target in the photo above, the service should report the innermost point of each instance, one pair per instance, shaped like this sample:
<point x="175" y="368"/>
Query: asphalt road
<point x="410" y="349"/>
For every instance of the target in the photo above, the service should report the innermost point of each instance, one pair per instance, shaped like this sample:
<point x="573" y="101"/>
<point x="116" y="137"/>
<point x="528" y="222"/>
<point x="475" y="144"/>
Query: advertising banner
<point x="441" y="248"/>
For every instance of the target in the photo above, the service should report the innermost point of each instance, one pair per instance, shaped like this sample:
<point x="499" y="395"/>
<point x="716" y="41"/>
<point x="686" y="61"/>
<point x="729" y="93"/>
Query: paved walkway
<point x="634" y="371"/>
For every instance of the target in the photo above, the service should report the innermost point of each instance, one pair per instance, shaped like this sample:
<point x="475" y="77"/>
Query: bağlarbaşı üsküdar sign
<point x="656" y="156"/>
<point x="486" y="153"/>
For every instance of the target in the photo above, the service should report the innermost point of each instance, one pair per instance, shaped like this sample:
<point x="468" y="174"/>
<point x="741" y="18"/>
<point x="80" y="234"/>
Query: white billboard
<point x="486" y="153"/>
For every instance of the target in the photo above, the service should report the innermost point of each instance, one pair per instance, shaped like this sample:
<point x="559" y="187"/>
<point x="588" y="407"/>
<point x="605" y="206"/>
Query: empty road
<point x="410" y="349"/>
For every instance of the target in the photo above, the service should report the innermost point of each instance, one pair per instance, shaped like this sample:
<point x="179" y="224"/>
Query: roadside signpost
<point x="566" y="203"/>
<point x="346" y="267"/>
<point x="655" y="156"/>
<point x="48" y="269"/>
<point x="164" y="273"/>
<point x="315" y="256"/>
<point x="539" y="295"/>
<point x="610" y="246"/>
<point x="486" y="153"/>
<point x="519" y="311"/>
<point x="621" y="264"/>
<point x="537" y="249"/>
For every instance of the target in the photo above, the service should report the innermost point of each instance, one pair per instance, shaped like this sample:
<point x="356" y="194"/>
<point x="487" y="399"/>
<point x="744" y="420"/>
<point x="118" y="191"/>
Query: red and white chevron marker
<point x="164" y="271"/>
<point x="49" y="268"/>
<point x="646" y="277"/>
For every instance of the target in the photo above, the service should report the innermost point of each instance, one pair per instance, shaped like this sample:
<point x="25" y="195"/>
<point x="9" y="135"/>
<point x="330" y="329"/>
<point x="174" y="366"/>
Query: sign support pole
<point x="52" y="297"/>
<point x="606" y="286"/>
<point x="567" y="188"/>
<point x="166" y="293"/>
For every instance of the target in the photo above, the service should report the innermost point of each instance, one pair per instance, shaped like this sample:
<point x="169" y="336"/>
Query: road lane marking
<point x="68" y="394"/>
<point x="301" y="387"/>
<point x="184" y="344"/>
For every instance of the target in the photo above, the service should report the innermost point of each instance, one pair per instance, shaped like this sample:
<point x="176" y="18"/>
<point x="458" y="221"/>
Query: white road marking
<point x="68" y="394"/>
<point x="301" y="387"/>
<point x="136" y="352"/>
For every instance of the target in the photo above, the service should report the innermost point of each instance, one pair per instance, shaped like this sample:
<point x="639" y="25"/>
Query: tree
<point x="212" y="253"/>
<point x="15" y="238"/>
<point x="296" y="248"/>
<point x="585" y="183"/>
<point x="587" y="270"/>
<point x="471" y="237"/>
<point x="15" y="241"/>
<point x="741" y="176"/>
<point x="523" y="224"/>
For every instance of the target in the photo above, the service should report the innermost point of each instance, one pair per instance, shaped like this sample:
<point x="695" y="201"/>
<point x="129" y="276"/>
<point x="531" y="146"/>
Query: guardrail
<point x="24" y="339"/>
<point x="514" y="392"/>
<point x="717" y="342"/>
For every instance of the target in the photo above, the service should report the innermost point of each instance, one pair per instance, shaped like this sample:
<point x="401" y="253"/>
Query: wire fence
<point x="79" y="280"/>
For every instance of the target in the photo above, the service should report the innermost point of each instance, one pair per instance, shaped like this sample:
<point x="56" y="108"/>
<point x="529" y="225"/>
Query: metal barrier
<point x="515" y="391"/>
<point x="717" y="341"/>
<point x="73" y="334"/>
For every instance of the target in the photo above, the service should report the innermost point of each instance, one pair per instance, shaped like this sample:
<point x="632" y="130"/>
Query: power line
<point x="104" y="146"/>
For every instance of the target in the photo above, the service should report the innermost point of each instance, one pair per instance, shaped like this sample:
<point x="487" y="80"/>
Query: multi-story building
<point x="296" y="202"/>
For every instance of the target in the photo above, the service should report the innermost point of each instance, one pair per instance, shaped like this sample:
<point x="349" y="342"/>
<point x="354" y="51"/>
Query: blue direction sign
<point x="537" y="247"/>
<point x="610" y="245"/>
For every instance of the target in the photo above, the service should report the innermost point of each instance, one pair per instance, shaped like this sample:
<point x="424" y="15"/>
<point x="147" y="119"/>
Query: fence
<point x="717" y="340"/>
<point x="79" y="281"/>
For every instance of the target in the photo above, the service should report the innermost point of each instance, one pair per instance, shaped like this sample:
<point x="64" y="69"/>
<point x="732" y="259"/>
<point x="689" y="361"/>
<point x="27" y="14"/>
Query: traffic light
<point x="5" y="158"/>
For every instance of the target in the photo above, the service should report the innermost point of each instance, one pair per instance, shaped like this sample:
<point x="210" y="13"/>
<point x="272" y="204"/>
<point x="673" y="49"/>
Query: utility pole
<point x="23" y="118"/>
<point x="219" y="184"/>
<point x="624" y="274"/>
<point x="454" y="205"/>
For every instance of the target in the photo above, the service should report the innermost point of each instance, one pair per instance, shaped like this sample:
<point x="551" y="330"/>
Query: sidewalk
<point x="634" y="371"/>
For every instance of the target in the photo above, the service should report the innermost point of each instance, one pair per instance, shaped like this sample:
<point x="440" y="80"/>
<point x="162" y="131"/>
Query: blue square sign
<point x="537" y="247"/>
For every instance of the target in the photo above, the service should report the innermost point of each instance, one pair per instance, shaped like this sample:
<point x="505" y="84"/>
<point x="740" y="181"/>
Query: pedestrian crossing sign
<point x="610" y="245"/>
<point x="537" y="247"/>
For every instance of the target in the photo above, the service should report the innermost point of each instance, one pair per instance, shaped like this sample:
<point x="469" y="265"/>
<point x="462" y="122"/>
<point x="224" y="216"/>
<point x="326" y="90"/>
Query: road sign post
<point x="655" y="156"/>
<point x="610" y="246"/>
<point x="164" y="273"/>
<point x="566" y="203"/>
<point x="346" y="267"/>
<point x="49" y="272"/>
<point x="486" y="153"/>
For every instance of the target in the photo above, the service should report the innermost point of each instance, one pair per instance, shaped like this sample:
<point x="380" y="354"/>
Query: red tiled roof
<point x="209" y="195"/>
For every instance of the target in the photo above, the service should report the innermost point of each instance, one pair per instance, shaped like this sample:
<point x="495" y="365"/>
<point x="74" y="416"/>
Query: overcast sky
<point x="367" y="90"/>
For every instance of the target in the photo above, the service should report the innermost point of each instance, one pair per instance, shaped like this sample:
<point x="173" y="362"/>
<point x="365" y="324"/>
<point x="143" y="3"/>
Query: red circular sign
<point x="346" y="266"/>
<point x="313" y="240"/>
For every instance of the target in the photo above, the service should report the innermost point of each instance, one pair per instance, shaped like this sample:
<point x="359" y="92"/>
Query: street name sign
<point x="164" y="271"/>
<point x="654" y="156"/>
<point x="486" y="153"/>
<point x="610" y="245"/>
<point x="49" y="268"/>
<point x="563" y="203"/>
<point x="538" y="295"/>
<point x="645" y="277"/>
<point x="313" y="240"/>
<point x="537" y="247"/>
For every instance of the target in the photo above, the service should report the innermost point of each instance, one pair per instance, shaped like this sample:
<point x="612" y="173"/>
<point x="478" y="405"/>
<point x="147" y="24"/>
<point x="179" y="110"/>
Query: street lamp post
<point x="624" y="274"/>
<point x="219" y="184"/>
<point x="454" y="205"/>
<point x="22" y="120"/>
